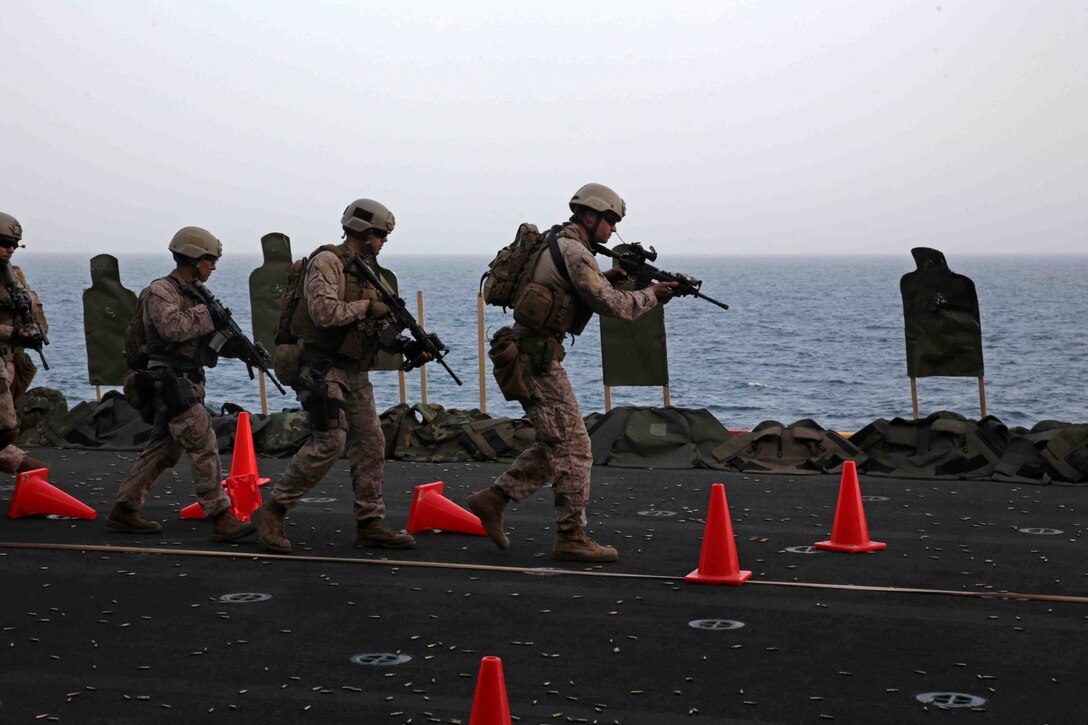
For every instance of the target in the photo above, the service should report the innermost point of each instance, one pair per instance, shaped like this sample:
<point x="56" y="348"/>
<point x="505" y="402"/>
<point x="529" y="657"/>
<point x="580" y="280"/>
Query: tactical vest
<point x="551" y="309"/>
<point x="355" y="342"/>
<point x="187" y="353"/>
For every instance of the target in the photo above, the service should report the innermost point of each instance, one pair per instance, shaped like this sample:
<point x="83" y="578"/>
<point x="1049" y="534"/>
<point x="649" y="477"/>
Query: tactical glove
<point x="377" y="309"/>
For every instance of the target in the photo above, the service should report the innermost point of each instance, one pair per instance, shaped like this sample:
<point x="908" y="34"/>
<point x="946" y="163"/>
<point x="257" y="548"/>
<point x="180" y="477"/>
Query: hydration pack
<point x="136" y="348"/>
<point x="511" y="270"/>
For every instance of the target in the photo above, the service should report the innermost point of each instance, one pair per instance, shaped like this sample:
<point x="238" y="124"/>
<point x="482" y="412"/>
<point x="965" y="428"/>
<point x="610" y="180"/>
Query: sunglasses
<point x="9" y="243"/>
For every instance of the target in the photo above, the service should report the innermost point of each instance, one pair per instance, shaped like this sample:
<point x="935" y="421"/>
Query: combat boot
<point x="575" y="545"/>
<point x="374" y="534"/>
<point x="488" y="504"/>
<point x="31" y="464"/>
<point x="225" y="527"/>
<point x="125" y="519"/>
<point x="269" y="520"/>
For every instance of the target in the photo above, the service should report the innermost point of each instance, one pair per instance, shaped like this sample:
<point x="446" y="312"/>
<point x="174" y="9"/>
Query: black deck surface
<point x="119" y="636"/>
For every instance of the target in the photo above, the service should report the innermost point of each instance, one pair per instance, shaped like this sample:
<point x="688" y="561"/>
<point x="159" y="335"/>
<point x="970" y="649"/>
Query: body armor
<point x="353" y="343"/>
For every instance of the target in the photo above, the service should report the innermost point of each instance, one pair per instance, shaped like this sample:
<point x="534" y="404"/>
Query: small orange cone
<point x="718" y="563"/>
<point x="489" y="706"/>
<point x="245" y="498"/>
<point x="34" y="495"/>
<point x="849" y="532"/>
<point x="431" y="510"/>
<point x="244" y="458"/>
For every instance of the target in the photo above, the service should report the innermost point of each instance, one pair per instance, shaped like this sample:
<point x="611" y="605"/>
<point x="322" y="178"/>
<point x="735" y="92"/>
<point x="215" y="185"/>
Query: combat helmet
<point x="599" y="198"/>
<point x="194" y="242"/>
<point x="10" y="227"/>
<point x="364" y="214"/>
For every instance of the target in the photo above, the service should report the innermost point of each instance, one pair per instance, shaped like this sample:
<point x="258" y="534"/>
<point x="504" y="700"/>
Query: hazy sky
<point x="729" y="127"/>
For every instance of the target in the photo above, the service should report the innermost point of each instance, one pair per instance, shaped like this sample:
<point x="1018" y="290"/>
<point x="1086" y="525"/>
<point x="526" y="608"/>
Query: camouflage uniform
<point x="328" y="297"/>
<point x="16" y="370"/>
<point x="182" y="327"/>
<point x="562" y="451"/>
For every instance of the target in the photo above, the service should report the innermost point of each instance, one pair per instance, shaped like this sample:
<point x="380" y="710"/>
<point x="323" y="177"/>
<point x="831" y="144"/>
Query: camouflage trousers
<point x="190" y="432"/>
<point x="359" y="430"/>
<point x="11" y="457"/>
<point x="561" y="453"/>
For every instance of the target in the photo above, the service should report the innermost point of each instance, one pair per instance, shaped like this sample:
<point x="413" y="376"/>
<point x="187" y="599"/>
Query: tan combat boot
<point x="488" y="504"/>
<point x="269" y="520"/>
<point x="575" y="545"/>
<point x="31" y="464"/>
<point x="374" y="534"/>
<point x="124" y="519"/>
<point x="225" y="527"/>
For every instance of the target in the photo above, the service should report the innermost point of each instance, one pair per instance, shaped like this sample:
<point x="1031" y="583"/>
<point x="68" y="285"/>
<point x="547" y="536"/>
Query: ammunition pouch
<point x="286" y="363"/>
<point x="541" y="351"/>
<point x="169" y="389"/>
<point x="512" y="369"/>
<point x="540" y="308"/>
<point x="25" y="370"/>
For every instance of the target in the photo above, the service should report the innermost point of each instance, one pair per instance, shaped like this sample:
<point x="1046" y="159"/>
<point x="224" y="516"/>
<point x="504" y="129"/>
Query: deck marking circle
<point x="58" y="517"/>
<point x="715" y="624"/>
<point x="657" y="514"/>
<point x="317" y="499"/>
<point x="378" y="659"/>
<point x="950" y="700"/>
<point x="806" y="549"/>
<point x="875" y="498"/>
<point x="1041" y="531"/>
<point x="244" y="598"/>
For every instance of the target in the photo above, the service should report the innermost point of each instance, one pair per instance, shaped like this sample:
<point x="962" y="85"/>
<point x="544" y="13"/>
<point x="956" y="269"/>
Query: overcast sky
<point x="729" y="127"/>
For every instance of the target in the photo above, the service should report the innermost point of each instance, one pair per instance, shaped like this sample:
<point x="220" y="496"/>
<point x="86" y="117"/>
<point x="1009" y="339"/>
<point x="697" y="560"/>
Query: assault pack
<point x="511" y="270"/>
<point x="136" y="349"/>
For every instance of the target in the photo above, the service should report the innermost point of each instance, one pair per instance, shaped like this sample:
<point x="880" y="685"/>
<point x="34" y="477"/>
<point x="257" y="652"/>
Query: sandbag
<point x="645" y="437"/>
<point x="944" y="445"/>
<point x="801" y="448"/>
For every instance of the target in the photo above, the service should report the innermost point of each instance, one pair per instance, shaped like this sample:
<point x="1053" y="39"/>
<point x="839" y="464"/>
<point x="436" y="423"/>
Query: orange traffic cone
<point x="849" y="532"/>
<point x="718" y="563"/>
<point x="244" y="458"/>
<point x="489" y="706"/>
<point x="431" y="510"/>
<point x="34" y="495"/>
<point x="245" y="498"/>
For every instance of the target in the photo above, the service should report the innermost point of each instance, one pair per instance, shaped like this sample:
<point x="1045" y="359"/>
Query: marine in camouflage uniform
<point x="337" y="322"/>
<point x="178" y="329"/>
<point x="562" y="452"/>
<point x="16" y="367"/>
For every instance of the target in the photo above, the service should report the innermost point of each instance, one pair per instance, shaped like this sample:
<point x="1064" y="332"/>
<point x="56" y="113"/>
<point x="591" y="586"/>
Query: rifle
<point x="33" y="336"/>
<point x="254" y="355"/>
<point x="634" y="260"/>
<point x="403" y="320"/>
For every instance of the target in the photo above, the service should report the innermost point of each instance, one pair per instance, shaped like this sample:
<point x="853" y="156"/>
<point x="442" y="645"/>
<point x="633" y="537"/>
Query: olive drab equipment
<point x="107" y="309"/>
<point x="194" y="243"/>
<point x="599" y="198"/>
<point x="512" y="267"/>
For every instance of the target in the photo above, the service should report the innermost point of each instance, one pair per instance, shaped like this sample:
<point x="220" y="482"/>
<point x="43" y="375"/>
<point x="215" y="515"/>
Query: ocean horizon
<point x="806" y="336"/>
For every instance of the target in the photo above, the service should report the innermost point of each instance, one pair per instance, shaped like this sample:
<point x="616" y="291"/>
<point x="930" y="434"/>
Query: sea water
<point x="816" y="337"/>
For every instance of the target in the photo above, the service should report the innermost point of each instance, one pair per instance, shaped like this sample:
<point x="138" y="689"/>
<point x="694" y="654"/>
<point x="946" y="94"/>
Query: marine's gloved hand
<point x="377" y="309"/>
<point x="219" y="314"/>
<point x="664" y="291"/>
<point x="416" y="352"/>
<point x="21" y="337"/>
<point x="616" y="276"/>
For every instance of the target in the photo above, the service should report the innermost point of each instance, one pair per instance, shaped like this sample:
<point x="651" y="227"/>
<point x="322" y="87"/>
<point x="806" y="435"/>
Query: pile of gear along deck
<point x="977" y="607"/>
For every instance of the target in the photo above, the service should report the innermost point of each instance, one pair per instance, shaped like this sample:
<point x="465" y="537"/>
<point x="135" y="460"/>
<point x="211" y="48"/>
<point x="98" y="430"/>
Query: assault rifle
<point x="634" y="260"/>
<point x="31" y="334"/>
<point x="403" y="320"/>
<point x="254" y="355"/>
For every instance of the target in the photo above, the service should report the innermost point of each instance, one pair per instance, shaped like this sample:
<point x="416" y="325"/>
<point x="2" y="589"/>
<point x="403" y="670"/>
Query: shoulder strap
<point x="557" y="256"/>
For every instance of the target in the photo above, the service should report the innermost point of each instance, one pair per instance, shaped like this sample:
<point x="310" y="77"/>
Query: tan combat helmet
<point x="599" y="198"/>
<point x="10" y="227"/>
<point x="194" y="242"/>
<point x="364" y="214"/>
